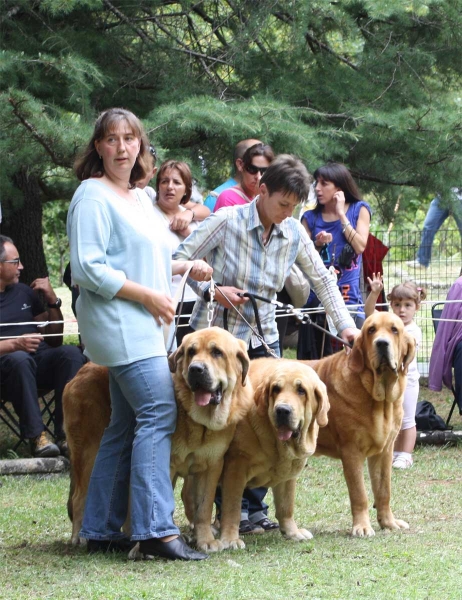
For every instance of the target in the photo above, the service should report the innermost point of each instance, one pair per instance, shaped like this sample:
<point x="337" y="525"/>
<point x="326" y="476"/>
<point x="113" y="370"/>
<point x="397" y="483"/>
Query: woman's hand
<point x="160" y="306"/>
<point x="348" y="335"/>
<point x="339" y="198"/>
<point x="182" y="220"/>
<point x="201" y="271"/>
<point x="231" y="293"/>
<point x="322" y="238"/>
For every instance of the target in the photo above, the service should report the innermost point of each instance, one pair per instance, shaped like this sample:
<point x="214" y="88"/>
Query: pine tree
<point x="373" y="83"/>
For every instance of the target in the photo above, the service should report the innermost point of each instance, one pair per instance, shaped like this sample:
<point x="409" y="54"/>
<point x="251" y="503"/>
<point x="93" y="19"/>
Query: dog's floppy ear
<point x="261" y="396"/>
<point x="174" y="358"/>
<point x="243" y="358"/>
<point x="320" y="391"/>
<point x="407" y="350"/>
<point x="356" y="357"/>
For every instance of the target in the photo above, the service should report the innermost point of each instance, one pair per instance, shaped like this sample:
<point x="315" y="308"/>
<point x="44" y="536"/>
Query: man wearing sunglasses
<point x="28" y="359"/>
<point x="251" y="249"/>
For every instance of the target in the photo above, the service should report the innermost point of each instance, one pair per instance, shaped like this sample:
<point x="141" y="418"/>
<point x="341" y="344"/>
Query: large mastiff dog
<point x="210" y="375"/>
<point x="272" y="443"/>
<point x="365" y="390"/>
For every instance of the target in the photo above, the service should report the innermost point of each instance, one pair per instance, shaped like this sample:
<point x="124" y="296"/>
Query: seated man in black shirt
<point x="32" y="360"/>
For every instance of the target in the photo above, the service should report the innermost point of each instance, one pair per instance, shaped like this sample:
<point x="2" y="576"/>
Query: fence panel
<point x="444" y="269"/>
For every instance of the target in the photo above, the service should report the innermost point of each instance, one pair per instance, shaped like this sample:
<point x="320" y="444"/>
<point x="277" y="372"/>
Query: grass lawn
<point x="36" y="560"/>
<point x="424" y="562"/>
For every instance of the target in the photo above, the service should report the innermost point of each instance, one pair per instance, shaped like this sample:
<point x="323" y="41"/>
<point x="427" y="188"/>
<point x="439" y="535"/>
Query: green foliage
<point x="373" y="83"/>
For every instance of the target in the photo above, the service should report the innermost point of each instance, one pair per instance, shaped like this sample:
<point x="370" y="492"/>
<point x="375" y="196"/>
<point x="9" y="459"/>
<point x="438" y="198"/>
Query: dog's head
<point x="384" y="348"/>
<point x="295" y="400"/>
<point x="210" y="371"/>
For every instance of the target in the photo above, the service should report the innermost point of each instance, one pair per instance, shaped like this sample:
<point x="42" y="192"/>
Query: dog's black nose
<point x="382" y="344"/>
<point x="196" y="368"/>
<point x="283" y="414"/>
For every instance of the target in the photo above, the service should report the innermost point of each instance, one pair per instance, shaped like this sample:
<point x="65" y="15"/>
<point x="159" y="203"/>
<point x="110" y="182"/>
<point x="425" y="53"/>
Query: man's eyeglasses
<point x="152" y="151"/>
<point x="253" y="169"/>
<point x="15" y="261"/>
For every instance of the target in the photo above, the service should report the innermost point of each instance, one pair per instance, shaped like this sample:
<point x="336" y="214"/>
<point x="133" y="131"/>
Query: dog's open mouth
<point x="285" y="433"/>
<point x="205" y="397"/>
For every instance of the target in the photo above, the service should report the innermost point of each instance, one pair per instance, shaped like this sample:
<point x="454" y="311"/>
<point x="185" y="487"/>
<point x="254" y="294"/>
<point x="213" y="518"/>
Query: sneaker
<point x="416" y="264"/>
<point x="267" y="525"/>
<point x="401" y="462"/>
<point x="247" y="527"/>
<point x="42" y="447"/>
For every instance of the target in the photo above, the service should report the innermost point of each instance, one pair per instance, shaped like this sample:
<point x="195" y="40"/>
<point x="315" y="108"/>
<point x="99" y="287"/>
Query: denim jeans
<point x="435" y="217"/>
<point x="134" y="456"/>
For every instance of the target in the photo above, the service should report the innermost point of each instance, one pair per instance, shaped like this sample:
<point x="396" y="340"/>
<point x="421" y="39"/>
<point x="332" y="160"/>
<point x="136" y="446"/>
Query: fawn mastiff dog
<point x="272" y="443"/>
<point x="365" y="390"/>
<point x="210" y="378"/>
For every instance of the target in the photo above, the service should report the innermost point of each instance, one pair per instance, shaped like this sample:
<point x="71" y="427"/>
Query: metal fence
<point x="444" y="269"/>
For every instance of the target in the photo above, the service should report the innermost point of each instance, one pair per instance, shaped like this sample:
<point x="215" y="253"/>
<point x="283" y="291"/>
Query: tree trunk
<point x="24" y="227"/>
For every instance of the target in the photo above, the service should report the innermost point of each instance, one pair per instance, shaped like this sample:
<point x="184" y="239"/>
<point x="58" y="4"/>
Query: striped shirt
<point x="232" y="243"/>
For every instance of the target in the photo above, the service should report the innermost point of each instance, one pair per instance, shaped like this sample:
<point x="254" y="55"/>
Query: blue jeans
<point x="134" y="456"/>
<point x="435" y="217"/>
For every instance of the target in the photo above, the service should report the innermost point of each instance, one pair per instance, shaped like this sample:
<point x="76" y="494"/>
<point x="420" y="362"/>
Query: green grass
<point x="36" y="560"/>
<point x="423" y="563"/>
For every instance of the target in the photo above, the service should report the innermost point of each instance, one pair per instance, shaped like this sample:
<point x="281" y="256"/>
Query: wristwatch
<point x="56" y="304"/>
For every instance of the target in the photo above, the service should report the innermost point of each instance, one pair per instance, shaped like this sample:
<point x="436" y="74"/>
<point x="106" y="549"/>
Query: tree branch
<point x="35" y="134"/>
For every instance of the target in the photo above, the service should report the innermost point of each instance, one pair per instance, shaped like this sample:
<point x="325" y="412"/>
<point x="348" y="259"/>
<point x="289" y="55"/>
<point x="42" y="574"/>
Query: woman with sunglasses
<point x="250" y="168"/>
<point x="339" y="227"/>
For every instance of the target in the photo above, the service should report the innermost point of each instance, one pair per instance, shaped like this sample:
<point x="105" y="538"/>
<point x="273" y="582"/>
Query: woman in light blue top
<point x="123" y="265"/>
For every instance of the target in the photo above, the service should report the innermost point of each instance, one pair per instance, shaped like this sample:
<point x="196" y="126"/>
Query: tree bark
<point x="24" y="227"/>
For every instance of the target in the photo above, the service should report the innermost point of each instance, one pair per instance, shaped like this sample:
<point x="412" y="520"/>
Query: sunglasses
<point x="15" y="261"/>
<point x="253" y="169"/>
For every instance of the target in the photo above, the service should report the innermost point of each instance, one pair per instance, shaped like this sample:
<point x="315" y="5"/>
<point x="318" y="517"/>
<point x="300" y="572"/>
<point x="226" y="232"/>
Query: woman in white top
<point x="173" y="191"/>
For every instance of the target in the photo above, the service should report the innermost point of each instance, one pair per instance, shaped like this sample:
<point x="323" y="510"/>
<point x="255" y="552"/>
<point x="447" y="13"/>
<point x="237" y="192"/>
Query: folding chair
<point x="437" y="310"/>
<point x="46" y="399"/>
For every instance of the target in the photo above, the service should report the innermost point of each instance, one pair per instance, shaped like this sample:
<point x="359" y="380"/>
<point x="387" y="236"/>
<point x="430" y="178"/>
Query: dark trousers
<point x="22" y="373"/>
<point x="252" y="503"/>
<point x="457" y="364"/>
<point x="184" y="320"/>
<point x="314" y="343"/>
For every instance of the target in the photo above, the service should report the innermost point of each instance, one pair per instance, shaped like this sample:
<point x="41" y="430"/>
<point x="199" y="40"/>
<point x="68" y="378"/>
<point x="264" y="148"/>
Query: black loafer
<point x="122" y="545"/>
<point x="176" y="549"/>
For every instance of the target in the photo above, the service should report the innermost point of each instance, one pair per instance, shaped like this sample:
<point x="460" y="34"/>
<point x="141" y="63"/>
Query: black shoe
<point x="176" y="549"/>
<point x="42" y="447"/>
<point x="122" y="545"/>
<point x="246" y="527"/>
<point x="63" y="447"/>
<point x="267" y="525"/>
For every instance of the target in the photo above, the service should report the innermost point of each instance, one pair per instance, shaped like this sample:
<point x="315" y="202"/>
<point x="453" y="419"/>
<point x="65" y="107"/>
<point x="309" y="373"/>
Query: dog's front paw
<point x="362" y="531"/>
<point x="210" y="546"/>
<point x="394" y="524"/>
<point x="233" y="544"/>
<point x="298" y="535"/>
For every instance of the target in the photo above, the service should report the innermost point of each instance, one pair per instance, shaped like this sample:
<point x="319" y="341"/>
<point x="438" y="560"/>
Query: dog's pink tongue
<point x="202" y="397"/>
<point x="284" y="433"/>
